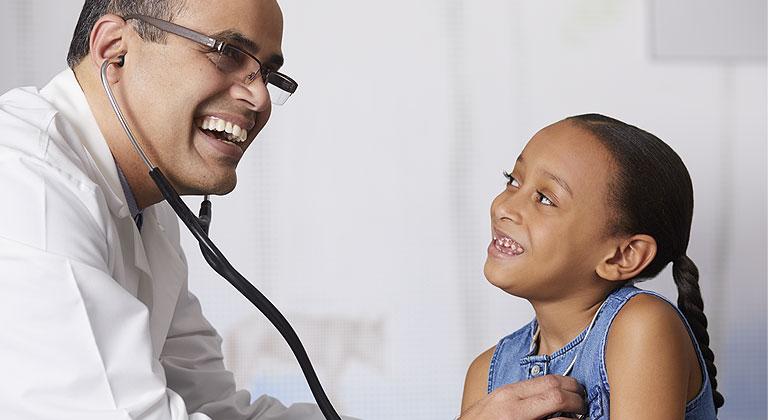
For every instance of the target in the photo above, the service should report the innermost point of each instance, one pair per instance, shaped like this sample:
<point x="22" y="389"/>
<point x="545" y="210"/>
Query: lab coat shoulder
<point x="34" y="128"/>
<point x="47" y="173"/>
<point x="24" y="108"/>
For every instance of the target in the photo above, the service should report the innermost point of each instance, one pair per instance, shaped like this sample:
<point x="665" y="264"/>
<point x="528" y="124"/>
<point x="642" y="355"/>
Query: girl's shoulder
<point x="639" y="312"/>
<point x="645" y="326"/>
<point x="649" y="349"/>
<point x="476" y="380"/>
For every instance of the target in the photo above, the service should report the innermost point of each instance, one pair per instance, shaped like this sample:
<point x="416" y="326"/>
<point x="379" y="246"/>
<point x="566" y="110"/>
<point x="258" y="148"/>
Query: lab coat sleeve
<point x="59" y="360"/>
<point x="192" y="359"/>
<point x="75" y="345"/>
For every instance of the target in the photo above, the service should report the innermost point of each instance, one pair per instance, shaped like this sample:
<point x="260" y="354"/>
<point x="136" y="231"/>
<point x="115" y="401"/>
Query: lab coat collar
<point x="65" y="94"/>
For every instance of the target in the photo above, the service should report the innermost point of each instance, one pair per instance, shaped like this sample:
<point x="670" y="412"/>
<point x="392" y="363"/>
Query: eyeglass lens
<point x="244" y="69"/>
<point x="237" y="65"/>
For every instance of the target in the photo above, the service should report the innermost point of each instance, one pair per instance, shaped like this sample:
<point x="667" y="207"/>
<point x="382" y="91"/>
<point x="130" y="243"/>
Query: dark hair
<point x="95" y="9"/>
<point x="651" y="193"/>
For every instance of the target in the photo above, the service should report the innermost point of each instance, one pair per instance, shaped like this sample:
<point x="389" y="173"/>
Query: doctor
<point x="98" y="322"/>
<point x="97" y="319"/>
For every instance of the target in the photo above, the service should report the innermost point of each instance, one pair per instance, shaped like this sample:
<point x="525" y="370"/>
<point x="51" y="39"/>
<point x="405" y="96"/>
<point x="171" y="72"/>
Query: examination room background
<point x="362" y="210"/>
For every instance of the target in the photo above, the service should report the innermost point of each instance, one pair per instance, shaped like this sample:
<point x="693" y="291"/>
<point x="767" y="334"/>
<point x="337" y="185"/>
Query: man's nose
<point x="255" y="95"/>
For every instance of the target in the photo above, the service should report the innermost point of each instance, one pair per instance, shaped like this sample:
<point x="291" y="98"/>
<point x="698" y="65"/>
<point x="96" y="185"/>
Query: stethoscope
<point x="199" y="227"/>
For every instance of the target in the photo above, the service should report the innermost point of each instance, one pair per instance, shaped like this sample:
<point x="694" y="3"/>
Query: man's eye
<point x="231" y="53"/>
<point x="231" y="59"/>
<point x="511" y="180"/>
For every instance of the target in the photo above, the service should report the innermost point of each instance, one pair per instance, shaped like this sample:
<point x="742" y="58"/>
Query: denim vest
<point x="513" y="362"/>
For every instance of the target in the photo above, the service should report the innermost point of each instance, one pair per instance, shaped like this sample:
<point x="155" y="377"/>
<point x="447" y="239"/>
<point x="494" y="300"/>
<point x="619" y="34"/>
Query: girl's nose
<point x="507" y="206"/>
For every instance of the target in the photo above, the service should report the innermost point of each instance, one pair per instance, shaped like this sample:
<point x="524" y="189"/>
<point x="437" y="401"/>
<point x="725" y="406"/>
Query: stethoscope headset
<point x="199" y="227"/>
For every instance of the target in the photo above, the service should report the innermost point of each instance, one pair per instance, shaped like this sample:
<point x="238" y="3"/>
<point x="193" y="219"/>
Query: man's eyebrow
<point x="239" y="40"/>
<point x="553" y="177"/>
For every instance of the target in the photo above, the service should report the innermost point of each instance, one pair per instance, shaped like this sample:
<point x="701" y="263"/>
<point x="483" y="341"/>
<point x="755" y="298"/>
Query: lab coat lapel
<point x="168" y="273"/>
<point x="158" y="269"/>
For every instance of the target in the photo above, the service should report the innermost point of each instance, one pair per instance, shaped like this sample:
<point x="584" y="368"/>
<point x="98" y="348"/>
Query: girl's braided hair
<point x="651" y="193"/>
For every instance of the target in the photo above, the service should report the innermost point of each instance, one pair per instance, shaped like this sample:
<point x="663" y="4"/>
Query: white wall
<point x="362" y="212"/>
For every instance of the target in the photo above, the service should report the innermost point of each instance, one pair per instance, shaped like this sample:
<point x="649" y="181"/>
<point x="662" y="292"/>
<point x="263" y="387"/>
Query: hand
<point x="530" y="400"/>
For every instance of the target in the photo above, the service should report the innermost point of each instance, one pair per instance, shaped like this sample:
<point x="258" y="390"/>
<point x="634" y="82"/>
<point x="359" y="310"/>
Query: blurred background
<point x="362" y="210"/>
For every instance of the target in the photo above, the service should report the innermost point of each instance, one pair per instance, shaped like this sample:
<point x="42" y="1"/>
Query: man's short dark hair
<point x="95" y="9"/>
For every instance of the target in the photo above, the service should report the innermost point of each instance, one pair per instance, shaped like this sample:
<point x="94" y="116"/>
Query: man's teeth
<point x="508" y="246"/>
<point x="233" y="132"/>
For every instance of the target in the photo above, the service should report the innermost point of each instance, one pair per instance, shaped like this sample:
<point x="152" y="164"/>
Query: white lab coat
<point x="97" y="321"/>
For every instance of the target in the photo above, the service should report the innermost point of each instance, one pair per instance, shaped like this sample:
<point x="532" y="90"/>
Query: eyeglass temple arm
<point x="178" y="30"/>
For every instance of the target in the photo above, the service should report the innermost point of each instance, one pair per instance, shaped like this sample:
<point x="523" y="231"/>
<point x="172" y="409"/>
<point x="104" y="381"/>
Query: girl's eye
<point x="542" y="199"/>
<point x="545" y="200"/>
<point x="511" y="180"/>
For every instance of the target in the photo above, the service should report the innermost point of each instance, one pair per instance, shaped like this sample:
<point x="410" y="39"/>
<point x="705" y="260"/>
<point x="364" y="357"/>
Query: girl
<point x="594" y="205"/>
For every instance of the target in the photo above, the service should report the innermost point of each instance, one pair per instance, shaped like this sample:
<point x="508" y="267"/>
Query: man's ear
<point x="628" y="259"/>
<point x="107" y="42"/>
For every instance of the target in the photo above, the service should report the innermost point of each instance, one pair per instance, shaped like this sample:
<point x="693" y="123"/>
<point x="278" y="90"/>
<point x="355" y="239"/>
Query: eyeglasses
<point x="233" y="62"/>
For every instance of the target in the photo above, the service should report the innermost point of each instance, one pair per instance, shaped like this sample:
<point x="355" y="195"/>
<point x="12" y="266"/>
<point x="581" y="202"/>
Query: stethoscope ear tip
<point x="122" y="60"/>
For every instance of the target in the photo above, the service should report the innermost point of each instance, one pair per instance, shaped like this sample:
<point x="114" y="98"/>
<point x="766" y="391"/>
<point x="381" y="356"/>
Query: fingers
<point x="542" y="396"/>
<point x="539" y="385"/>
<point x="553" y="401"/>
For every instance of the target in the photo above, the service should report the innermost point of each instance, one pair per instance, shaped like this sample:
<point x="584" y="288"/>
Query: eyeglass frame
<point x="275" y="78"/>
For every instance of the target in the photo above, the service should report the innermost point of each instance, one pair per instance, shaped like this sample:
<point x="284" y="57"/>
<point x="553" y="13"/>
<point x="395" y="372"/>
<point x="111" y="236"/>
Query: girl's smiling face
<point x="550" y="224"/>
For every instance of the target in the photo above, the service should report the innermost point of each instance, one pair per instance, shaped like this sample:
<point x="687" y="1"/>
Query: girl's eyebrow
<point x="559" y="181"/>
<point x="551" y="176"/>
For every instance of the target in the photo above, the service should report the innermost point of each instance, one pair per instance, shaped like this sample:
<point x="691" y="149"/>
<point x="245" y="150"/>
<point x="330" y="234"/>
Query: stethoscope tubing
<point x="118" y="113"/>
<point x="199" y="229"/>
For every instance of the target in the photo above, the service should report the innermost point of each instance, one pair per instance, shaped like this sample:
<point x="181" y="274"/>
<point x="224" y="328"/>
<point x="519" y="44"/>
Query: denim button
<point x="535" y="370"/>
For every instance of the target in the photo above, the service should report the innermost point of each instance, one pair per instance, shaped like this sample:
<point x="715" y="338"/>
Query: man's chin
<point x="210" y="187"/>
<point x="221" y="188"/>
<point x="224" y="190"/>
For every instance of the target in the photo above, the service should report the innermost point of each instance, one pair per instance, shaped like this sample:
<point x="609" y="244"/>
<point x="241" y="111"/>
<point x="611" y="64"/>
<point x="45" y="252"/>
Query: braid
<point x="649" y="171"/>
<point x="690" y="303"/>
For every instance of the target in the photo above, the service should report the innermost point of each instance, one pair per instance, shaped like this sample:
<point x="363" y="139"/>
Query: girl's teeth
<point x="507" y="246"/>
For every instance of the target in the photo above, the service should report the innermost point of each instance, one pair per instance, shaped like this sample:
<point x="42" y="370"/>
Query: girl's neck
<point x="561" y="321"/>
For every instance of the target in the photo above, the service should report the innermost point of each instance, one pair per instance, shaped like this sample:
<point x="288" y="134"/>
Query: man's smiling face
<point x="193" y="121"/>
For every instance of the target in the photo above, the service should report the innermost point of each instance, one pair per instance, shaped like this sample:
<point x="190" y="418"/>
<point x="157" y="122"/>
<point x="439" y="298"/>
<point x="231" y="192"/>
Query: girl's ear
<point x="628" y="259"/>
